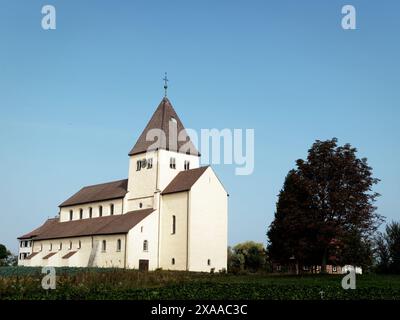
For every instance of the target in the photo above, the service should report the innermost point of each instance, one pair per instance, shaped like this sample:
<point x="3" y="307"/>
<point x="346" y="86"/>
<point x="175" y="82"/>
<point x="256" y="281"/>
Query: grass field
<point x="94" y="284"/>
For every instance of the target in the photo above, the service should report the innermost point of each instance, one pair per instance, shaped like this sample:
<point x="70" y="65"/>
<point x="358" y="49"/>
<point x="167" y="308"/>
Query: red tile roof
<point x="184" y="180"/>
<point x="49" y="255"/>
<point x="31" y="255"/>
<point x="160" y="120"/>
<point x="98" y="192"/>
<point x="53" y="229"/>
<point x="69" y="254"/>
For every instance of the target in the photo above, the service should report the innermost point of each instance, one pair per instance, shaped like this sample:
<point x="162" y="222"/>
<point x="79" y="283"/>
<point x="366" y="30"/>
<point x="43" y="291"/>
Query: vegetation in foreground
<point x="75" y="283"/>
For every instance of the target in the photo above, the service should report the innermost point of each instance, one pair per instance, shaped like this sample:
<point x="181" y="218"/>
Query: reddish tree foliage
<point x="324" y="205"/>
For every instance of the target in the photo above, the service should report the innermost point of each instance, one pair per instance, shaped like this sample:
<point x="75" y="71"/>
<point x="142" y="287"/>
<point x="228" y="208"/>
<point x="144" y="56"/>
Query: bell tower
<point x="162" y="150"/>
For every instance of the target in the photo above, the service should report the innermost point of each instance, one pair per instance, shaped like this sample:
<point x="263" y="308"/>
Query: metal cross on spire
<point x="165" y="84"/>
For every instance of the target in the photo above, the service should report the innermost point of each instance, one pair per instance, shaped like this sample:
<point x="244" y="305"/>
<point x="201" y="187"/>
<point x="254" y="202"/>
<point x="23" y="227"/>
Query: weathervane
<point x="165" y="84"/>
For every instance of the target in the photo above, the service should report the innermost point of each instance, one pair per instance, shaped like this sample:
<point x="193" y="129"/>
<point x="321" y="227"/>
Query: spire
<point x="165" y="84"/>
<point x="161" y="119"/>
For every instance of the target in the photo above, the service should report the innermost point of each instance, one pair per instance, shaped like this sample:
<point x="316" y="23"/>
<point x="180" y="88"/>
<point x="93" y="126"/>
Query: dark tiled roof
<point x="115" y="224"/>
<point x="160" y="120"/>
<point x="69" y="254"/>
<point x="49" y="255"/>
<point x="31" y="255"/>
<point x="184" y="180"/>
<point x="98" y="192"/>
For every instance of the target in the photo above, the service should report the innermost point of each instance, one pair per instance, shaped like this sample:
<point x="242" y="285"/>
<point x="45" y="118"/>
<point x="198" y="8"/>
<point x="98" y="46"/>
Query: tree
<point x="382" y="254"/>
<point x="387" y="249"/>
<point x="247" y="256"/>
<point x="325" y="203"/>
<point x="5" y="256"/>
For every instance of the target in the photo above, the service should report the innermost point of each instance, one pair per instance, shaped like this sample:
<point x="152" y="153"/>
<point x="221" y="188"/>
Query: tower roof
<point x="161" y="119"/>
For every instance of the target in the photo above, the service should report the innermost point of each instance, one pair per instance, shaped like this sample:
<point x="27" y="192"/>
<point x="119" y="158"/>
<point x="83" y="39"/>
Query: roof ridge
<point x="160" y="120"/>
<point x="184" y="180"/>
<point x="104" y="183"/>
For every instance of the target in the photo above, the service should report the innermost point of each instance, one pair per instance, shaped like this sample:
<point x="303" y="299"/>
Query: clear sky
<point x="74" y="100"/>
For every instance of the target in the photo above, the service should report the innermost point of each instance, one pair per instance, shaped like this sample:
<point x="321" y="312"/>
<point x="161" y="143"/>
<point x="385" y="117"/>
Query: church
<point x="170" y="213"/>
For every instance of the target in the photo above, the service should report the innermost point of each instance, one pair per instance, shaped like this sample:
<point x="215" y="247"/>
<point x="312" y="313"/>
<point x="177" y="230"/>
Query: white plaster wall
<point x="141" y="183"/>
<point x="118" y="209"/>
<point x="173" y="245"/>
<point x="110" y="258"/>
<point x="134" y="204"/>
<point x="166" y="174"/>
<point x="147" y="229"/>
<point x="27" y="250"/>
<point x="208" y="224"/>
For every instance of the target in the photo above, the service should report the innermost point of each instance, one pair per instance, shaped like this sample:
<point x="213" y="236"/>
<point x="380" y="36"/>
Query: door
<point x="143" y="265"/>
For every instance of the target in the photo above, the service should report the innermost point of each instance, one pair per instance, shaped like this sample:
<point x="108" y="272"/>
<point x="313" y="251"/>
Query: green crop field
<point x="81" y="283"/>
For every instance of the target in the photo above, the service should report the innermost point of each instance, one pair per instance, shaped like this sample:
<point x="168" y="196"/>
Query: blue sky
<point x="74" y="100"/>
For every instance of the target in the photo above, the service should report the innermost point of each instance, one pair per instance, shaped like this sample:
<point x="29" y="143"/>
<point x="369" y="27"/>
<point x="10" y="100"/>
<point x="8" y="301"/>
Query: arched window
<point x="119" y="245"/>
<point x="81" y="214"/>
<point x="60" y="248"/>
<point x="186" y="165"/>
<point x="111" y="209"/>
<point x="100" y="211"/>
<point x="173" y="224"/>
<point x="172" y="163"/>
<point x="145" y="245"/>
<point x="70" y="245"/>
<point x="173" y="261"/>
<point x="90" y="212"/>
<point x="79" y="244"/>
<point x="209" y="262"/>
<point x="104" y="246"/>
<point x="50" y="246"/>
<point x="71" y="214"/>
<point x="140" y="205"/>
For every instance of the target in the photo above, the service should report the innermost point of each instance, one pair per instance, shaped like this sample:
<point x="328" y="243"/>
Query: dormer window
<point x="172" y="163"/>
<point x="187" y="165"/>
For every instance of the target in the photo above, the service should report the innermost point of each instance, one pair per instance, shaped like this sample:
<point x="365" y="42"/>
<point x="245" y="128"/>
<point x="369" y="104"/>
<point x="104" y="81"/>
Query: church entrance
<point x="143" y="265"/>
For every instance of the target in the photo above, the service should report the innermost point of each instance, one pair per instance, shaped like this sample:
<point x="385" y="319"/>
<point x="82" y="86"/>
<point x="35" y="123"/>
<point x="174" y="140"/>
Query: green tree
<point x="387" y="249"/>
<point x="382" y="255"/>
<point x="5" y="255"/>
<point x="325" y="202"/>
<point x="249" y="256"/>
<point x="393" y="241"/>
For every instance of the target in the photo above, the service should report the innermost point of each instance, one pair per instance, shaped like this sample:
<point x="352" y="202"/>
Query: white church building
<point x="170" y="213"/>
